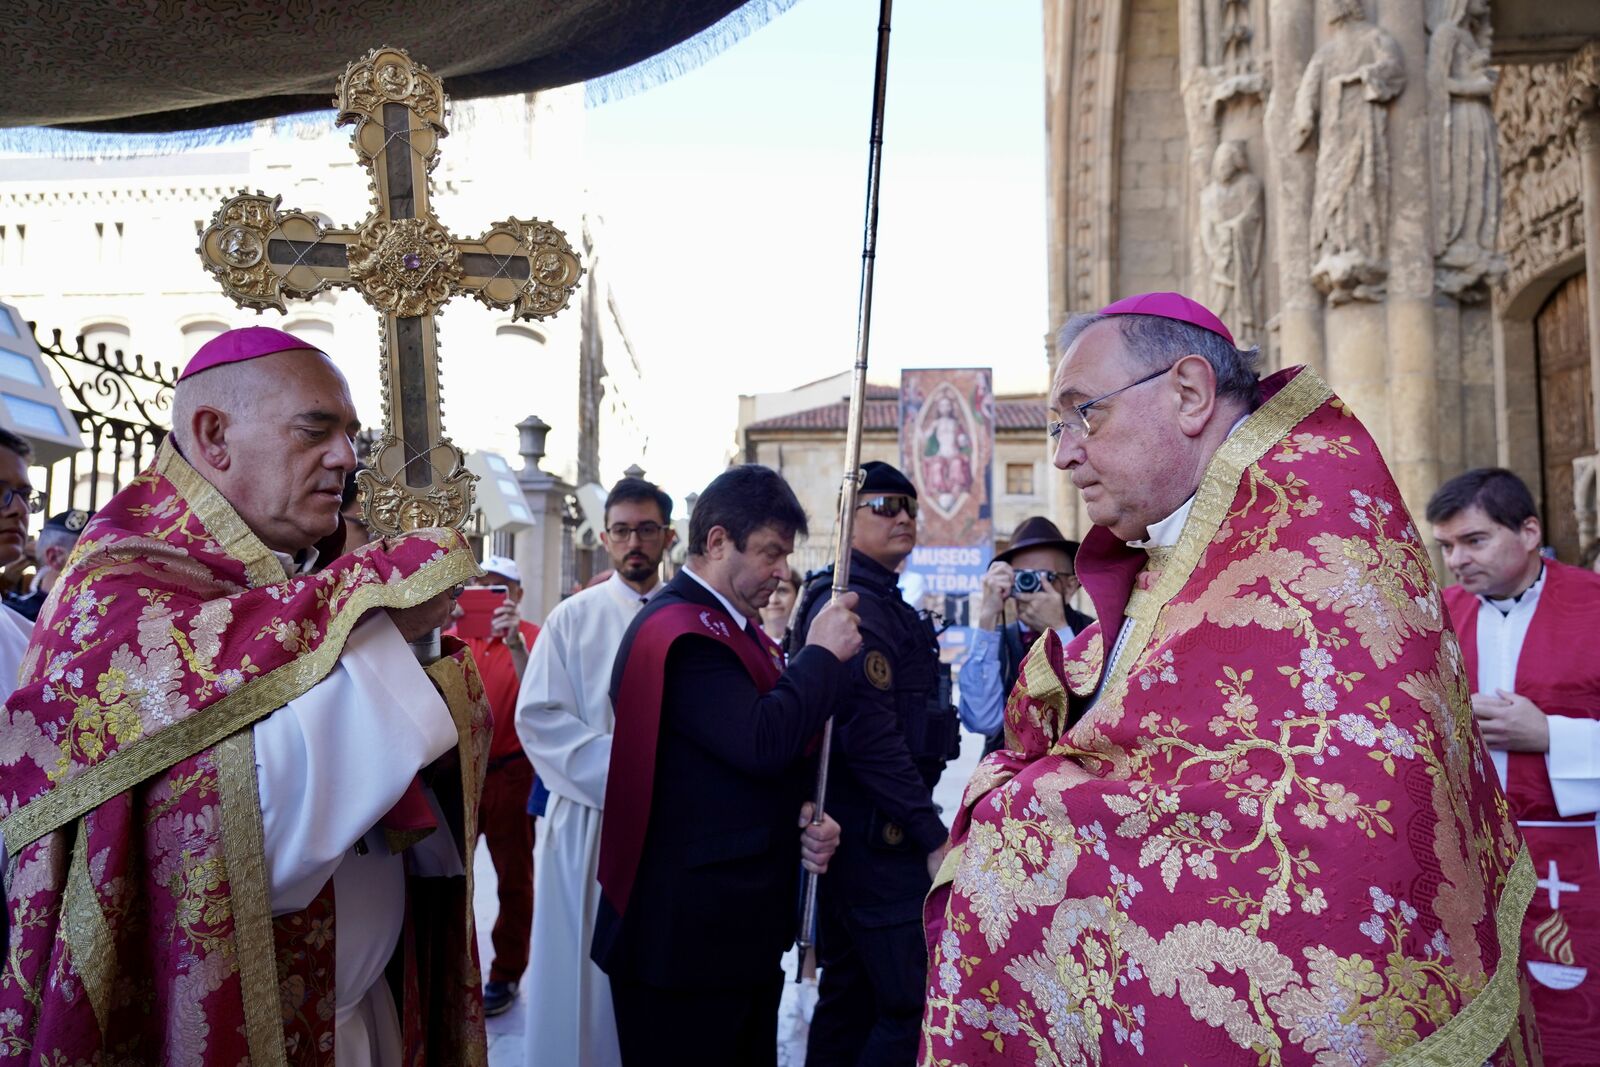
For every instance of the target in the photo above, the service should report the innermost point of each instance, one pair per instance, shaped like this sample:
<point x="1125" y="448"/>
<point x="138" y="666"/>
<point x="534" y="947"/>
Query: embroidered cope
<point x="171" y="893"/>
<point x="1275" y="837"/>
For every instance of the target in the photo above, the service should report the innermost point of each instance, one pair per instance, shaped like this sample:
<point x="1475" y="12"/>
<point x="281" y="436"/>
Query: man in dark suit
<point x="1035" y="574"/>
<point x="710" y="768"/>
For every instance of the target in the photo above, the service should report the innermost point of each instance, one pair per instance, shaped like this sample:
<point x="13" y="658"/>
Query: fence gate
<point x="124" y="410"/>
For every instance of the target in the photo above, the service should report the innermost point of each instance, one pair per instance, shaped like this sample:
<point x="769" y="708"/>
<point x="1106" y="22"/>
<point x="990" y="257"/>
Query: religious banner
<point x="946" y="443"/>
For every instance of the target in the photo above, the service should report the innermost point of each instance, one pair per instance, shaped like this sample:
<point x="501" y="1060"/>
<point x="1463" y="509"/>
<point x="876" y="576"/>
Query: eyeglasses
<point x="31" y="498"/>
<point x="889" y="506"/>
<point x="1076" y="420"/>
<point x="647" y="531"/>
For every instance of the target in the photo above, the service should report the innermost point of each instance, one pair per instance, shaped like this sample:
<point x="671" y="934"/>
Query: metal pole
<point x="858" y="402"/>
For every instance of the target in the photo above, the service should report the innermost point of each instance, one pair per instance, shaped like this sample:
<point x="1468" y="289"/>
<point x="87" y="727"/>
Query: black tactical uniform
<point x="888" y="753"/>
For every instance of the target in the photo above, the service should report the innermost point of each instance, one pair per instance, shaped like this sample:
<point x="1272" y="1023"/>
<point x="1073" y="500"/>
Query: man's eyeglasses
<point x="647" y="531"/>
<point x="31" y="498"/>
<point x="889" y="506"/>
<point x="1076" y="419"/>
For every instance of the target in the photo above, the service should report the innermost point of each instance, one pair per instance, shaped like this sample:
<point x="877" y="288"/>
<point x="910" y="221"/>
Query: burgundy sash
<point x="631" y="781"/>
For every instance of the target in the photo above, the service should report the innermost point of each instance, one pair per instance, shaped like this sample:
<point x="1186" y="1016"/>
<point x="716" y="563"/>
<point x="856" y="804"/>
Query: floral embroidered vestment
<point x="1270" y="834"/>
<point x="140" y="929"/>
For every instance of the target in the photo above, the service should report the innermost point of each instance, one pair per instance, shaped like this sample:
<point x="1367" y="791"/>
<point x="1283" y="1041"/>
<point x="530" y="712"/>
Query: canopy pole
<point x="851" y="483"/>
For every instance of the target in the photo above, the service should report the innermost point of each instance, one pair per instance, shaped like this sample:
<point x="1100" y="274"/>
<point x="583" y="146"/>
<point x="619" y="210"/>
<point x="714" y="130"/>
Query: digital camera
<point x="1023" y="582"/>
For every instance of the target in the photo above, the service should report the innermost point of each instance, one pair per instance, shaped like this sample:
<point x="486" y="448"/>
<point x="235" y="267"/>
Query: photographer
<point x="1035" y="576"/>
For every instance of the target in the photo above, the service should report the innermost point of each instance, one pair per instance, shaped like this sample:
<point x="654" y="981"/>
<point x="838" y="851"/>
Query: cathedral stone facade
<point x="1400" y="194"/>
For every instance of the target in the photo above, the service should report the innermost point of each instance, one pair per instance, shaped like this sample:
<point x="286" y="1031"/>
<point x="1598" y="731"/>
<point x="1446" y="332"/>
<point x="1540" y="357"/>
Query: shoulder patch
<point x="878" y="670"/>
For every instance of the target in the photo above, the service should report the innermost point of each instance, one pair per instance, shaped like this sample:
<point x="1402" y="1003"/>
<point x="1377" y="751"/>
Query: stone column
<point x="1289" y="181"/>
<point x="543" y="549"/>
<point x="1064" y="502"/>
<point x="1414" y="395"/>
<point x="1516" y="404"/>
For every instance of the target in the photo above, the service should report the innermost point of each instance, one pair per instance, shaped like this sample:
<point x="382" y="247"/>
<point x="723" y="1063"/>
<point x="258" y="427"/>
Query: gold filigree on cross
<point x="404" y="263"/>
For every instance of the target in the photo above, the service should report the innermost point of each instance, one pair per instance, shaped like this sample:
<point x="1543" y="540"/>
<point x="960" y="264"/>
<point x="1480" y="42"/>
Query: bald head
<point x="273" y="434"/>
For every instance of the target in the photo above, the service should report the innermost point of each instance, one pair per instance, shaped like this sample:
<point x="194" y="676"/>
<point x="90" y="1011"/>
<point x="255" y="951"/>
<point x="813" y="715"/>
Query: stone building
<point x="1400" y="194"/>
<point x="806" y="445"/>
<point x="105" y="247"/>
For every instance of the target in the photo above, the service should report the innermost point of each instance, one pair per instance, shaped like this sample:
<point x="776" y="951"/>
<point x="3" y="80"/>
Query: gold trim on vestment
<point x="1046" y="692"/>
<point x="449" y="676"/>
<point x="225" y="525"/>
<point x="86" y="933"/>
<point x="947" y="867"/>
<point x="1290" y="406"/>
<point x="154" y="753"/>
<point x="249" y="893"/>
<point x="1474" y="1033"/>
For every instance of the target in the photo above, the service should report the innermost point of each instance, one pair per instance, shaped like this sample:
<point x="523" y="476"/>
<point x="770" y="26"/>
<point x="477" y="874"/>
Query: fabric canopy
<point x="110" y="65"/>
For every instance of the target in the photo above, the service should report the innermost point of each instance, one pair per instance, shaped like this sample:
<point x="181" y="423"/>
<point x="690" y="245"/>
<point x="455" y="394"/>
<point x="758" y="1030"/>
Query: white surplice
<point x="14" y="632"/>
<point x="564" y="719"/>
<point x="330" y="764"/>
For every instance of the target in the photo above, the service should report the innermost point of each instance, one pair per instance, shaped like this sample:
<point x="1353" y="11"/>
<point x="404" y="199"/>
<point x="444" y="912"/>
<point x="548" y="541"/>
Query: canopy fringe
<point x="685" y="56"/>
<point x="82" y="144"/>
<point x="657" y="70"/>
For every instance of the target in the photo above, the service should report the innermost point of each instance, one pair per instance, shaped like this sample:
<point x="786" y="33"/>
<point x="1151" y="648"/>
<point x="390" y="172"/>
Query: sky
<point x="734" y="195"/>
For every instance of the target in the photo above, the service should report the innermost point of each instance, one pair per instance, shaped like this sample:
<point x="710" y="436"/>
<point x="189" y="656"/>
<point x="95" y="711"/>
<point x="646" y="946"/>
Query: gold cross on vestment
<point x="406" y="265"/>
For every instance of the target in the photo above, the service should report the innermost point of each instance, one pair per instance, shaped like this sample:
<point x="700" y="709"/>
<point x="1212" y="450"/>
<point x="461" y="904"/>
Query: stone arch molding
<point x="1546" y="116"/>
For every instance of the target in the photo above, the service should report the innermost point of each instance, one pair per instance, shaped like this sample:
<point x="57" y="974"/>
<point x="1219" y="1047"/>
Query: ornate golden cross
<point x="405" y="264"/>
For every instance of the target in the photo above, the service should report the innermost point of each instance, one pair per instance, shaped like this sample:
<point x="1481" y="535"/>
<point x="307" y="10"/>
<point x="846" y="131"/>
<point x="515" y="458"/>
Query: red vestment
<point x="1269" y="832"/>
<point x="1559" y="671"/>
<point x="137" y="894"/>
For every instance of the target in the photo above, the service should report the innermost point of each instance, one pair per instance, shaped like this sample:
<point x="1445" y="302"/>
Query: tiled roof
<point x="1022" y="413"/>
<point x="883" y="413"/>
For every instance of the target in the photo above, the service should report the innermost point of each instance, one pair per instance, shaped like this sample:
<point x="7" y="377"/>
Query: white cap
<point x="503" y="565"/>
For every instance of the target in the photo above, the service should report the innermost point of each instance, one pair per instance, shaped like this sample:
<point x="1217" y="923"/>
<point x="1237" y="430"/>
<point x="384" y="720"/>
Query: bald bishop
<point x="234" y="801"/>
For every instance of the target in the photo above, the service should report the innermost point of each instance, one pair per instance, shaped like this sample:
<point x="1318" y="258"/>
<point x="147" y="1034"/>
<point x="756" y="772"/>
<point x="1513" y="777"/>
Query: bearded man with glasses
<point x="894" y="731"/>
<point x="565" y="720"/>
<point x="1245" y="815"/>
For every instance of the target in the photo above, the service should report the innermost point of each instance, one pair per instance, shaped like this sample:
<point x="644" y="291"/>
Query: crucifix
<point x="403" y="263"/>
<point x="1555" y="886"/>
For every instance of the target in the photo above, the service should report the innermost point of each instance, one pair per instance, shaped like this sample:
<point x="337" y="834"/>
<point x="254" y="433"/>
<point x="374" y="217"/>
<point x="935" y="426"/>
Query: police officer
<point x="888" y="753"/>
<point x="52" y="548"/>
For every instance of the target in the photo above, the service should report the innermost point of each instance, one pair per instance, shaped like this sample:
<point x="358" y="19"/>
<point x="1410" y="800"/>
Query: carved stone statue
<point x="1465" y="157"/>
<point x="1236" y="34"/>
<point x="1342" y="98"/>
<point x="1231" y="233"/>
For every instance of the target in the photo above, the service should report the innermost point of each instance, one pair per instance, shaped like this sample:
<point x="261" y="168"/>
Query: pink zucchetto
<point x="236" y="346"/>
<point x="1173" y="306"/>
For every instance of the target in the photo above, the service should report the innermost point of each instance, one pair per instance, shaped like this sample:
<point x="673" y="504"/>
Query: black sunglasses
<point x="889" y="506"/>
